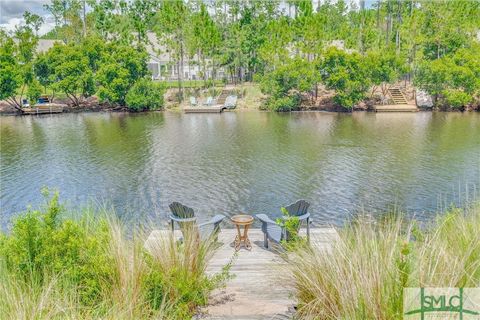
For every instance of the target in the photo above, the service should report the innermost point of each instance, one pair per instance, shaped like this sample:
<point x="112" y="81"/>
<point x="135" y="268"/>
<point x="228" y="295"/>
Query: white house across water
<point x="164" y="67"/>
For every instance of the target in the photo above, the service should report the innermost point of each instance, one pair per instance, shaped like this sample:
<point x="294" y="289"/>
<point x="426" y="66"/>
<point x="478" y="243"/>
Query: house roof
<point x="159" y="52"/>
<point x="155" y="49"/>
<point x="44" y="45"/>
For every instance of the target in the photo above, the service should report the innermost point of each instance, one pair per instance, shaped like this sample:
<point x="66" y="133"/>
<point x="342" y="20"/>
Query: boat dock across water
<point x="205" y="109"/>
<point x="42" y="108"/>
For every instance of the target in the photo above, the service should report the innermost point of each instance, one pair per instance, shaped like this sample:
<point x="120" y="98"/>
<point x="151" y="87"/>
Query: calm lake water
<point x="249" y="162"/>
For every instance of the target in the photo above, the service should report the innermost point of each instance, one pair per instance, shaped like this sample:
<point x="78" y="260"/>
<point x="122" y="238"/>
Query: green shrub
<point x="347" y="74"/>
<point x="287" y="82"/>
<point x="145" y="95"/>
<point x="456" y="98"/>
<point x="287" y="103"/>
<point x="291" y="224"/>
<point x="42" y="243"/>
<point x="66" y="69"/>
<point x="34" y="91"/>
<point x="119" y="68"/>
<point x="55" y="266"/>
<point x="364" y="273"/>
<point x="453" y="77"/>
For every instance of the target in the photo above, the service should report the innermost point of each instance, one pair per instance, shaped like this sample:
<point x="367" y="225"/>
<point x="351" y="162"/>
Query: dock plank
<point x="256" y="291"/>
<point x="396" y="108"/>
<point x="44" y="108"/>
<point x="204" y="109"/>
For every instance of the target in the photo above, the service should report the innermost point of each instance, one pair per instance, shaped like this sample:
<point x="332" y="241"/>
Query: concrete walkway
<point x="256" y="291"/>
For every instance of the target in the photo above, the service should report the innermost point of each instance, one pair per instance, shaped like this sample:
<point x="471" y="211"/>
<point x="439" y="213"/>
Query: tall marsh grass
<point x="52" y="267"/>
<point x="364" y="273"/>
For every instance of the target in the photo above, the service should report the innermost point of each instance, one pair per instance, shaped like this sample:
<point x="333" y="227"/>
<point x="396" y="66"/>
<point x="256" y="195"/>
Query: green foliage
<point x="384" y="68"/>
<point x="67" y="18"/>
<point x="452" y="79"/>
<point x="145" y="95"/>
<point x="10" y="79"/>
<point x="382" y="258"/>
<point x="93" y="47"/>
<point x="33" y="21"/>
<point x="80" y="70"/>
<point x="121" y="66"/>
<point x="446" y="26"/>
<point x="16" y="65"/>
<point x="259" y="40"/>
<point x="41" y="243"/>
<point x="291" y="225"/>
<point x="282" y="104"/>
<point x="456" y="98"/>
<point x="171" y="25"/>
<point x="140" y="14"/>
<point x="43" y="69"/>
<point x="286" y="83"/>
<point x="68" y="71"/>
<point x="347" y="74"/>
<point x="34" y="91"/>
<point x="55" y="265"/>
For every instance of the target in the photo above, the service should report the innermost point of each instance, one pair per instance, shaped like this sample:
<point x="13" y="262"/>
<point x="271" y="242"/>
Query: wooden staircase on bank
<point x="397" y="96"/>
<point x="400" y="103"/>
<point x="223" y="96"/>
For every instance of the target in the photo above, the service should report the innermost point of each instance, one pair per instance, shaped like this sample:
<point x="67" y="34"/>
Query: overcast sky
<point x="11" y="13"/>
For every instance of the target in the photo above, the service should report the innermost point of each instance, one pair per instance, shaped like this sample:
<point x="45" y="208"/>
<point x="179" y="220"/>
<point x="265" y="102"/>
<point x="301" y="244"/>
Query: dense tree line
<point x="117" y="73"/>
<point x="284" y="45"/>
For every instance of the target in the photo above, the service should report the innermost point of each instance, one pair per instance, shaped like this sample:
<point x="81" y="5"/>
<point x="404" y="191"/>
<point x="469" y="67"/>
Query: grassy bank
<point x="53" y="266"/>
<point x="363" y="276"/>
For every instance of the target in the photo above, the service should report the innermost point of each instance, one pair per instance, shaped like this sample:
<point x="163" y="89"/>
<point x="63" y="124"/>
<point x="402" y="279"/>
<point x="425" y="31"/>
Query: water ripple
<point x="242" y="162"/>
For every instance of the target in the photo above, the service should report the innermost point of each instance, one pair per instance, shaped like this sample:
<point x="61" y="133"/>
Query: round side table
<point x="244" y="220"/>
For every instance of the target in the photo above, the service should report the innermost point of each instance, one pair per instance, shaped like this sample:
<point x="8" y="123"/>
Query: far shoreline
<point x="178" y="109"/>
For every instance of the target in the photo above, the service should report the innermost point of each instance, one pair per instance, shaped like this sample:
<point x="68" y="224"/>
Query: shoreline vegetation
<point x="250" y="96"/>
<point x="364" y="274"/>
<point x="56" y="266"/>
<point x="59" y="264"/>
<point x="337" y="56"/>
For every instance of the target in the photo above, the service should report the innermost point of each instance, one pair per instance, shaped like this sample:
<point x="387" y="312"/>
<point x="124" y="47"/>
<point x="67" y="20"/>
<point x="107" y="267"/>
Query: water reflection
<point x="242" y="162"/>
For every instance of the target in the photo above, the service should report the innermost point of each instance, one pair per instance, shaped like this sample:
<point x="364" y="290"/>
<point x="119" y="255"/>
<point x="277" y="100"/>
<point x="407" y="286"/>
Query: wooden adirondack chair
<point x="185" y="217"/>
<point x="273" y="232"/>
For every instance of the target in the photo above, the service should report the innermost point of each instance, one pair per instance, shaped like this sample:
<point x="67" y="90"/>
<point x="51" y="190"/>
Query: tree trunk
<point x="84" y="21"/>
<point x="180" y="72"/>
<point x="378" y="13"/>
<point x="179" y="81"/>
<point x="13" y="103"/>
<point x="362" y="23"/>
<point x="399" y="22"/>
<point x="389" y="23"/>
<point x="204" y="71"/>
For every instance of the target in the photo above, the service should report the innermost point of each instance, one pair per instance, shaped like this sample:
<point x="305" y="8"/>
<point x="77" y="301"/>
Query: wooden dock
<point x="256" y="291"/>
<point x="396" y="108"/>
<point x="205" y="109"/>
<point x="44" y="108"/>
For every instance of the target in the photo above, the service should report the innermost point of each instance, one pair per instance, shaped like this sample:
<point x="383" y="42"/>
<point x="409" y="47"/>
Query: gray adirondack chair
<point x="193" y="101"/>
<point x="185" y="217"/>
<point x="231" y="102"/>
<point x="273" y="232"/>
<point x="210" y="101"/>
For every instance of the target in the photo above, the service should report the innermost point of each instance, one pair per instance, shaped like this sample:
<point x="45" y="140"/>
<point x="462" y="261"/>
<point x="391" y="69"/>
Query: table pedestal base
<point x="239" y="238"/>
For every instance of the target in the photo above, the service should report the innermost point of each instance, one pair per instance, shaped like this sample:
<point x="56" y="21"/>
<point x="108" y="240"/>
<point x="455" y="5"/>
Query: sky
<point x="11" y="12"/>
